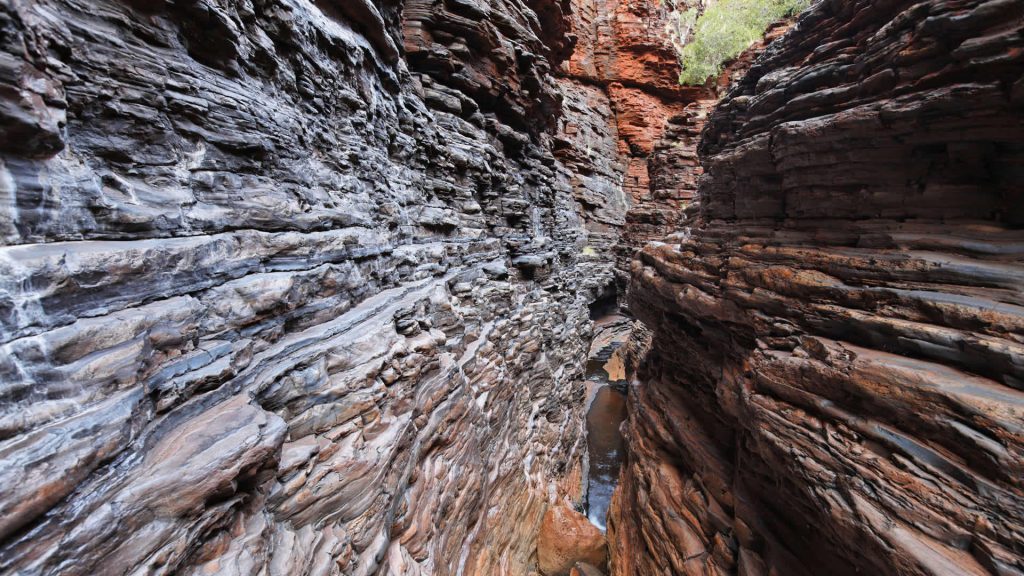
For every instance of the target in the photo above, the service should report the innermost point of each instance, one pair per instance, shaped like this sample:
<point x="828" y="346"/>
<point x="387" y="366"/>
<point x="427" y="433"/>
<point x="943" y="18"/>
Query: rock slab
<point x="566" y="538"/>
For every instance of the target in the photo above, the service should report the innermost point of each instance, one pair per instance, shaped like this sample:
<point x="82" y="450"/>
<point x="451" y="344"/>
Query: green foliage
<point x="726" y="28"/>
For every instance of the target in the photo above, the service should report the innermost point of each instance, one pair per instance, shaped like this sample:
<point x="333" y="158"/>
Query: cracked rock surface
<point x="306" y="287"/>
<point x="834" y="382"/>
<point x="287" y="287"/>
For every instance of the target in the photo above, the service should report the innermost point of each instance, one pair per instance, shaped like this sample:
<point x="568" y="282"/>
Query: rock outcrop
<point x="625" y="58"/>
<point x="566" y="538"/>
<point x="307" y="287"/>
<point x="287" y="287"/>
<point x="835" y="381"/>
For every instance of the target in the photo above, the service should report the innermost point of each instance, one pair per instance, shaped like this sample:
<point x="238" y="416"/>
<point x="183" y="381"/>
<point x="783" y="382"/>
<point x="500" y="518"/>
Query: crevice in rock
<point x="357" y="286"/>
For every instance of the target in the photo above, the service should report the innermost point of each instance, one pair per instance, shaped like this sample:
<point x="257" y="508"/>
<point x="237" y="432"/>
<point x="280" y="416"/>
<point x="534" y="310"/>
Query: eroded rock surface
<point x="305" y="287"/>
<point x="566" y="538"/>
<point x="835" y="377"/>
<point x="287" y="287"/>
<point x="625" y="61"/>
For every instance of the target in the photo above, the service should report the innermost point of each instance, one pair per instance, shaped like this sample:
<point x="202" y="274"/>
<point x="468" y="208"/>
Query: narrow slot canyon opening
<point x="606" y="410"/>
<point x="605" y="306"/>
<point x="491" y="288"/>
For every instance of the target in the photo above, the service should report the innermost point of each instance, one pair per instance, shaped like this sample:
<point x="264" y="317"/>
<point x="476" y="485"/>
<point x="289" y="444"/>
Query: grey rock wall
<point x="286" y="287"/>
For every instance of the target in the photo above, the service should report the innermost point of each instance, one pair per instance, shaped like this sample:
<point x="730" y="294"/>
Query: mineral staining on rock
<point x="303" y="287"/>
<point x="834" y="382"/>
<point x="626" y="64"/>
<point x="286" y="287"/>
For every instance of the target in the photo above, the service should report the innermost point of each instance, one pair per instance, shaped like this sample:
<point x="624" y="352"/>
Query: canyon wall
<point x="625" y="55"/>
<point x="304" y="287"/>
<point x="288" y="286"/>
<point x="835" y="381"/>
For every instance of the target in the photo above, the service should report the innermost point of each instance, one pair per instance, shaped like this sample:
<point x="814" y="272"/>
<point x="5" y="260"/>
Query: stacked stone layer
<point x="286" y="286"/>
<point x="626" y="50"/>
<point x="835" y="377"/>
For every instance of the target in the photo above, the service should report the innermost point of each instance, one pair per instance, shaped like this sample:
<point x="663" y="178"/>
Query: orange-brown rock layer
<point x="836" y="377"/>
<point x="566" y="538"/>
<point x="626" y="49"/>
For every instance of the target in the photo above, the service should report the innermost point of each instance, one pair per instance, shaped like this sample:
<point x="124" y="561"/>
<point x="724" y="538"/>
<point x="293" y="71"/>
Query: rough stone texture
<point x="586" y="145"/>
<point x="566" y="537"/>
<point x="302" y="287"/>
<point x="668" y="180"/>
<point x="836" y="376"/>
<point x="626" y="50"/>
<point x="584" y="569"/>
<point x="630" y="42"/>
<point x="287" y="287"/>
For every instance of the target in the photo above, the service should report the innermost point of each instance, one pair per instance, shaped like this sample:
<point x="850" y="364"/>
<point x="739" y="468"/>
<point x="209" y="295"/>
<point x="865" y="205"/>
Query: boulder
<point x="584" y="569"/>
<point x="567" y="537"/>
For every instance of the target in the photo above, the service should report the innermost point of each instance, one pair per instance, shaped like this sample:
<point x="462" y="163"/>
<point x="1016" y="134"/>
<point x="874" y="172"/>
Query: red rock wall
<point x="836" y="376"/>
<point x="625" y="49"/>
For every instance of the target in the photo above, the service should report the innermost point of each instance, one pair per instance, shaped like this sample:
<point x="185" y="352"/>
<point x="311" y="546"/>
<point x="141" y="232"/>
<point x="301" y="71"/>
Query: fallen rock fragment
<point x="567" y="537"/>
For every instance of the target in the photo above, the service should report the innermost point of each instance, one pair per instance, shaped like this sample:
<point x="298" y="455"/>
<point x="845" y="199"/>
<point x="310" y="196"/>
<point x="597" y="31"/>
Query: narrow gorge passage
<point x="479" y="288"/>
<point x="606" y="410"/>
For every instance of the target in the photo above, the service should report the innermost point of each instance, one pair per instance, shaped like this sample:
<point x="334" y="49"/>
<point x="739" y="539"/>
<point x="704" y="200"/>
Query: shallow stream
<point x="606" y="413"/>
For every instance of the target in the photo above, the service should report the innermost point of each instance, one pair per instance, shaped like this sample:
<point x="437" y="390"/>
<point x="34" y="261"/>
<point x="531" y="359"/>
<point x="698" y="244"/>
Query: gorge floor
<point x="605" y="413"/>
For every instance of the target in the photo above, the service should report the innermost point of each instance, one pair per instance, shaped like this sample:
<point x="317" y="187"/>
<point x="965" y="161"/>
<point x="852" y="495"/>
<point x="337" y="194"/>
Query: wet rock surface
<point x="834" y="376"/>
<point x="606" y="409"/>
<point x="604" y="449"/>
<point x="584" y="569"/>
<point x="287" y="287"/>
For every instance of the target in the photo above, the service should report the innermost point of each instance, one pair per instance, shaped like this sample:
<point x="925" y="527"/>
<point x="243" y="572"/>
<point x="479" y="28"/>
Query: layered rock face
<point x="626" y="61"/>
<point x="304" y="287"/>
<point x="287" y="287"/>
<point x="835" y="382"/>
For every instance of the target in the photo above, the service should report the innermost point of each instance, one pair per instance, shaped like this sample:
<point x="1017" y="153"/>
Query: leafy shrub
<point x="726" y="28"/>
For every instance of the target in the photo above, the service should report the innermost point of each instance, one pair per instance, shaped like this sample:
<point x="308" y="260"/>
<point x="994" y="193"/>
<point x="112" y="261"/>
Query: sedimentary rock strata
<point x="835" y="377"/>
<point x="308" y="286"/>
<point x="287" y="287"/>
<point x="626" y="50"/>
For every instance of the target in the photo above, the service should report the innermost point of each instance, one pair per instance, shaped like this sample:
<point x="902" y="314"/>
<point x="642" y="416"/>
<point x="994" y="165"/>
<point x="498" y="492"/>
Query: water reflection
<point x="607" y="411"/>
